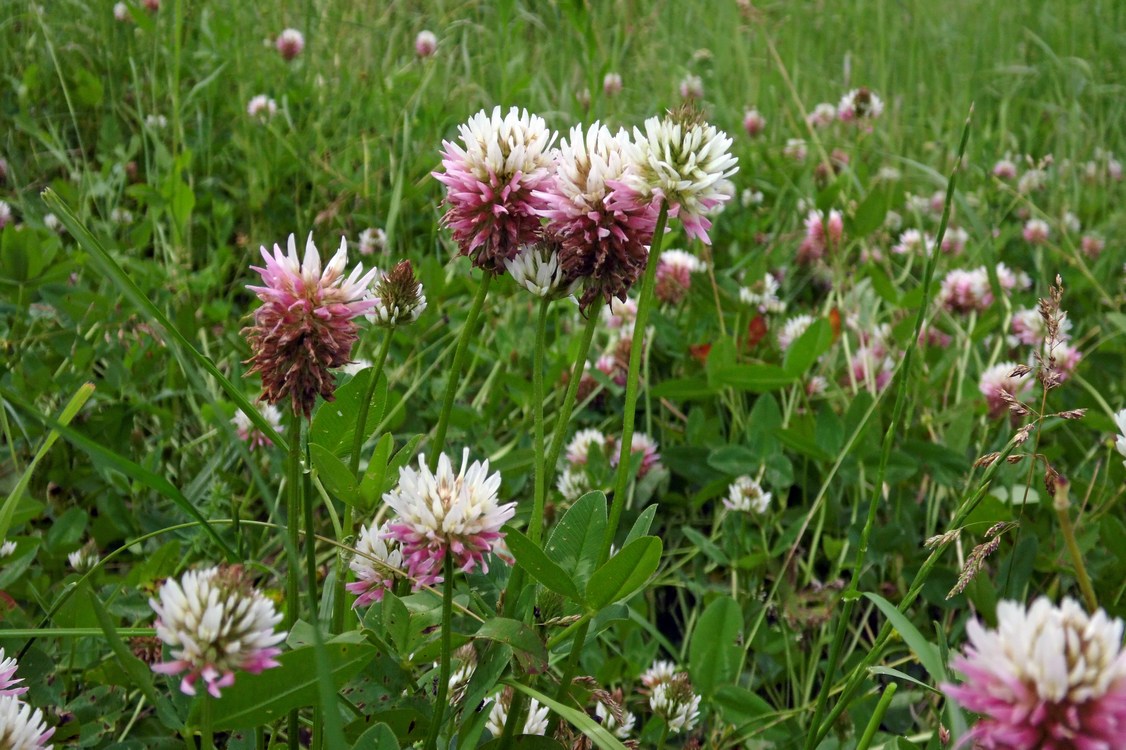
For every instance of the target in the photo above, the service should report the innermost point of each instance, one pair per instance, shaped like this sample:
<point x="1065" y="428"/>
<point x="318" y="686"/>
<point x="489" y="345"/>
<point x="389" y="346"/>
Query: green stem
<point x="467" y="332"/>
<point x="338" y="603"/>
<point x="1061" y="504"/>
<point x="877" y="717"/>
<point x="571" y="396"/>
<point x="572" y="664"/>
<point x="633" y="386"/>
<point x="535" y="526"/>
<point x="293" y="582"/>
<point x="447" y="648"/>
<point x="206" y="737"/>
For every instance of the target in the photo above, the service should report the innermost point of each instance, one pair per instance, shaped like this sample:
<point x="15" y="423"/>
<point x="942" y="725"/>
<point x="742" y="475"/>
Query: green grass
<point x="359" y="128"/>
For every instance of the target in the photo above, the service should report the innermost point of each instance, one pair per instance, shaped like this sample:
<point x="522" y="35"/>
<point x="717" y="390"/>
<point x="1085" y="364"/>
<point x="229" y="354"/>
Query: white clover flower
<point x="121" y="12"/>
<point x="21" y="726"/>
<point x="536" y="268"/>
<point x="54" y="223"/>
<point x="443" y="513"/>
<point x="610" y="724"/>
<point x="660" y="672"/>
<point x="398" y="297"/>
<point x="686" y="163"/>
<point x="795" y="149"/>
<point x="578" y="450"/>
<point x="763" y="295"/>
<point x="859" y="104"/>
<point x="793" y="329"/>
<point x="121" y="215"/>
<point x="156" y="122"/>
<point x="8" y="679"/>
<point x="215" y="623"/>
<point x="823" y="115"/>
<point x="572" y="483"/>
<point x="5" y="214"/>
<point x="372" y="239"/>
<point x="378" y="563"/>
<point x="535" y="723"/>
<point x="249" y="433"/>
<point x="425" y="43"/>
<point x="84" y="559"/>
<point x="746" y="495"/>
<point x="7" y="548"/>
<point x="261" y="107"/>
<point x="676" y="703"/>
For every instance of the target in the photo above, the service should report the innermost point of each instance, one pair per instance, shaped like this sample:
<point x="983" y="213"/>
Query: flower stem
<point x="633" y="386"/>
<point x="1061" y="504"/>
<point x="293" y="582"/>
<point x="358" y="439"/>
<point x="535" y="525"/>
<point x="877" y="717"/>
<point x="467" y="331"/>
<point x="447" y="648"/>
<point x="206" y="737"/>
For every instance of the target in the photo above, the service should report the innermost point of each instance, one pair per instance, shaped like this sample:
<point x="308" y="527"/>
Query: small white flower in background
<point x="5" y="214"/>
<point x="913" y="242"/>
<point x="611" y="84"/>
<point x="1071" y="222"/>
<point x="372" y="240"/>
<point x="823" y="115"/>
<point x="998" y="384"/>
<point x="1010" y="279"/>
<point x="619" y="316"/>
<point x="54" y="223"/>
<point x="83" y="560"/>
<point x="21" y="726"/>
<point x="290" y="44"/>
<point x="121" y="12"/>
<point x="8" y="677"/>
<point x="793" y="329"/>
<point x="1036" y="231"/>
<point x="378" y="563"/>
<point x="261" y="107"/>
<point x="691" y="87"/>
<point x="536" y="268"/>
<point x="1005" y="169"/>
<point x="425" y="43"/>
<point x="156" y="122"/>
<point x="859" y="104"/>
<point x="578" y="450"/>
<point x="674" y="275"/>
<point x="215" y="623"/>
<point x="121" y="216"/>
<point x="248" y="432"/>
<point x="763" y="295"/>
<point x="660" y="672"/>
<point x="641" y="444"/>
<point x="1120" y="438"/>
<point x="610" y="724"/>
<point x="675" y="701"/>
<point x="954" y="241"/>
<point x="354" y="368"/>
<point x="572" y="483"/>
<point x="1032" y="181"/>
<point x="6" y="549"/>
<point x="746" y="495"/>
<point x="751" y="197"/>
<point x="795" y="149"/>
<point x="535" y="723"/>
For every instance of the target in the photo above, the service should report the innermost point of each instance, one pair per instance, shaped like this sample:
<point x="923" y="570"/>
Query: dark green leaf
<point x="624" y="573"/>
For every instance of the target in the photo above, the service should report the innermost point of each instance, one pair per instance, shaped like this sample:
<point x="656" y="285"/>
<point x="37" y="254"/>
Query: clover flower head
<point x="612" y="84"/>
<point x="398" y="297"/>
<point x="249" y="433"/>
<point x="1048" y="677"/>
<point x="378" y="563"/>
<point x="674" y="275"/>
<point x="686" y="162"/>
<point x="1005" y="169"/>
<point x="305" y="325"/>
<point x="492" y="181"/>
<point x="215" y="622"/>
<point x="754" y="123"/>
<point x="965" y="290"/>
<point x="261" y="107"/>
<point x="425" y="43"/>
<point x="21" y="726"/>
<point x="290" y="44"/>
<point x="8" y="677"/>
<point x="1036" y="231"/>
<point x="859" y="104"/>
<point x="535" y="723"/>
<point x="658" y="673"/>
<point x="602" y="222"/>
<point x="644" y="445"/>
<point x="764" y="295"/>
<point x="676" y="702"/>
<point x="792" y="330"/>
<point x="578" y="450"/>
<point x="440" y="513"/>
<point x="746" y="495"/>
<point x="537" y="269"/>
<point x="998" y="384"/>
<point x="822" y="116"/>
<point x="83" y="559"/>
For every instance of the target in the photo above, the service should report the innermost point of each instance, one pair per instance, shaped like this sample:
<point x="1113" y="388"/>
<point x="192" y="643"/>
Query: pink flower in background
<point x="821" y="237"/>
<point x="215" y="623"/>
<point x="954" y="241"/>
<point x="441" y="513"/>
<point x="859" y="104"/>
<point x="754" y="123"/>
<point x="795" y="149"/>
<point x="674" y="275"/>
<point x="603" y="223"/>
<point x="1092" y="245"/>
<point x="378" y="563"/>
<point x="425" y="43"/>
<point x="822" y="116"/>
<point x="1036" y="231"/>
<point x="611" y="84"/>
<point x="640" y="444"/>
<point x="965" y="290"/>
<point x="304" y="326"/>
<point x="262" y="107"/>
<point x="248" y="433"/>
<point x="290" y="43"/>
<point x="1005" y="170"/>
<point x="1051" y="678"/>
<point x="999" y="380"/>
<point x="691" y="87"/>
<point x="492" y="180"/>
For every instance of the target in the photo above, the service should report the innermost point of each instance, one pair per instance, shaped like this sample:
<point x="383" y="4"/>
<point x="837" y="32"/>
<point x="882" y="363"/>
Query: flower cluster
<point x="671" y="696"/>
<point x="440" y="513"/>
<point x="1048" y="677"/>
<point x="249" y="433"/>
<point x="215" y="623"/>
<point x="21" y="726"/>
<point x="377" y="563"/>
<point x="304" y="326"/>
<point x="746" y="495"/>
<point x="535" y="723"/>
<point x="398" y="297"/>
